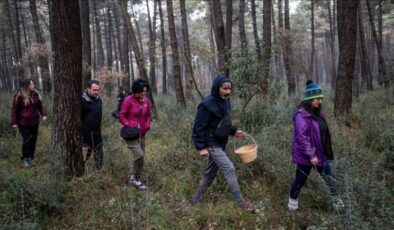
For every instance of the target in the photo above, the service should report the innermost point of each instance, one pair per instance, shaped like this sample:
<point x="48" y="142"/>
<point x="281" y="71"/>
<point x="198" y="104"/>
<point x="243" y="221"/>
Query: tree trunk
<point x="312" y="66"/>
<point x="163" y="49"/>
<point x="120" y="58"/>
<point x="228" y="32"/>
<point x="365" y="70"/>
<point x="152" y="47"/>
<point x="187" y="53"/>
<point x="108" y="38"/>
<point x="175" y="56"/>
<point x="20" y="69"/>
<point x="347" y="34"/>
<point x="242" y="33"/>
<point x="126" y="59"/>
<point x="287" y="54"/>
<point x="382" y="67"/>
<point x="255" y="31"/>
<point x="267" y="7"/>
<point x="100" y="49"/>
<point x="86" y="52"/>
<point x="136" y="50"/>
<point x="332" y="44"/>
<point x="217" y="16"/>
<point x="67" y="46"/>
<point x="137" y="27"/>
<point x="32" y="66"/>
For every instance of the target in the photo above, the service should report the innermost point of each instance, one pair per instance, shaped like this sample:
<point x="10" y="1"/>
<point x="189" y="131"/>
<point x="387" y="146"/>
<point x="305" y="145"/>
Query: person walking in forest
<point x="26" y="109"/>
<point x="135" y="112"/>
<point x="91" y="123"/>
<point x="212" y="126"/>
<point x="312" y="146"/>
<point x="122" y="94"/>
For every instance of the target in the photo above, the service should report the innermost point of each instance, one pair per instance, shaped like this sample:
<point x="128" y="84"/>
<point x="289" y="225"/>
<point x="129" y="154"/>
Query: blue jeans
<point x="302" y="174"/>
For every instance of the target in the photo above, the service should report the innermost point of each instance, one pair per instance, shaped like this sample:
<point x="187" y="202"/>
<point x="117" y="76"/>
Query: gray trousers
<point x="218" y="160"/>
<point x="137" y="148"/>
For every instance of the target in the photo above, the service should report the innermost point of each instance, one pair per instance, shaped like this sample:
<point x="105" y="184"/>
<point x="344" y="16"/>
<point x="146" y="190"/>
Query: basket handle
<point x="252" y="139"/>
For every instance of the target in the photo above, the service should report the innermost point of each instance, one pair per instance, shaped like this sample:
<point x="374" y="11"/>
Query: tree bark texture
<point x="163" y="48"/>
<point x="86" y="45"/>
<point x="67" y="47"/>
<point x="175" y="56"/>
<point x="287" y="54"/>
<point x="347" y="36"/>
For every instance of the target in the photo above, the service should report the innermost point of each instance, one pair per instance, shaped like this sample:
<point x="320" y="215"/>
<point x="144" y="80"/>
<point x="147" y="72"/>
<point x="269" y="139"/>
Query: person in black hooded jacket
<point x="91" y="123"/>
<point x="212" y="126"/>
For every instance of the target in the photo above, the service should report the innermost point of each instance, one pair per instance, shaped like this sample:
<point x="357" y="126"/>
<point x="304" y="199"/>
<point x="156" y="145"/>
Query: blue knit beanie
<point x="312" y="90"/>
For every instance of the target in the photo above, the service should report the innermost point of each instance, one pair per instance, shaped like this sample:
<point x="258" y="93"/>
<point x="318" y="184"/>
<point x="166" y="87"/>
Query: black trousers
<point x="29" y="134"/>
<point x="94" y="142"/>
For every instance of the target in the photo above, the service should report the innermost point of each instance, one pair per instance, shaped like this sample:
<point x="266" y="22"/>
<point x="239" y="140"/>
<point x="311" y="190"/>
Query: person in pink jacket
<point x="136" y="112"/>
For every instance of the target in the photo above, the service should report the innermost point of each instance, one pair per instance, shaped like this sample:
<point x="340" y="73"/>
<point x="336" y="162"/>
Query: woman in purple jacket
<point x="135" y="111"/>
<point x="312" y="146"/>
<point x="26" y="110"/>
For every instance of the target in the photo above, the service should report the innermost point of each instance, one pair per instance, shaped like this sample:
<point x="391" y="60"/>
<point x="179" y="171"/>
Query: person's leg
<point x="209" y="175"/>
<point x="98" y="151"/>
<point x="227" y="168"/>
<point x="26" y="134"/>
<point x="34" y="134"/>
<point x="302" y="173"/>
<point x="136" y="148"/>
<point x="331" y="182"/>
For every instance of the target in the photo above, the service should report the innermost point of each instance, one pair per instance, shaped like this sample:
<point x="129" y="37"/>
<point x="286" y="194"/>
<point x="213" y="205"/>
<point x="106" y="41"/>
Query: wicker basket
<point x="247" y="153"/>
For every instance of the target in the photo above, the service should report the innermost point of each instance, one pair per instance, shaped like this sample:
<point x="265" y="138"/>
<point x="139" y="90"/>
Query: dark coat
<point x="91" y="115"/>
<point x="209" y="113"/>
<point x="27" y="115"/>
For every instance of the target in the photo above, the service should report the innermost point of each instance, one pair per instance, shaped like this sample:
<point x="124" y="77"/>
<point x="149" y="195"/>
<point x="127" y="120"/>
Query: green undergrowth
<point x="36" y="199"/>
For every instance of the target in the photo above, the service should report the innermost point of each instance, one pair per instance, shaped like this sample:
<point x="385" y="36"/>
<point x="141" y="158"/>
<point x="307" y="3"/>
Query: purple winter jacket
<point x="27" y="115"/>
<point x="306" y="140"/>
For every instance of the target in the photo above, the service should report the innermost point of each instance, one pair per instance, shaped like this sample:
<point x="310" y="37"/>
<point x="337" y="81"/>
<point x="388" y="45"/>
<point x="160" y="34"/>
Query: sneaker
<point x="30" y="161"/>
<point x="26" y="163"/>
<point x="293" y="204"/>
<point x="248" y="206"/>
<point x="338" y="203"/>
<point x="137" y="183"/>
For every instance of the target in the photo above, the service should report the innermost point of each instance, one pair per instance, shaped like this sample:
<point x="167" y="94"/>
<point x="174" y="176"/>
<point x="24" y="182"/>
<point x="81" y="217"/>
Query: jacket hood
<point x="216" y="85"/>
<point x="87" y="98"/>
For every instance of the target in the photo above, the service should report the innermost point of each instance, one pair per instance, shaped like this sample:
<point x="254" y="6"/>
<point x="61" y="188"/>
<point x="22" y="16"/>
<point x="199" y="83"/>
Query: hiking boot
<point x="293" y="204"/>
<point x="248" y="206"/>
<point x="134" y="181"/>
<point x="338" y="203"/>
<point x="30" y="161"/>
<point x="25" y="163"/>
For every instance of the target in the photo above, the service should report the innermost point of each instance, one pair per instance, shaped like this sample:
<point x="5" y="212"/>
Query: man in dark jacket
<point x="91" y="123"/>
<point x="212" y="127"/>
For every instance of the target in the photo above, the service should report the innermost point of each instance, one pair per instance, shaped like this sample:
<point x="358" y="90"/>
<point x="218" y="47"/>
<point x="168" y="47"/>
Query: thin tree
<point x="67" y="47"/>
<point x="99" y="43"/>
<point x="255" y="31"/>
<point x="108" y="37"/>
<point x="228" y="31"/>
<point x="86" y="45"/>
<point x="347" y="35"/>
<point x="136" y="50"/>
<point x="382" y="67"/>
<point x="241" y="21"/>
<point x="267" y="7"/>
<point x="331" y="17"/>
<point x="126" y="59"/>
<point x="152" y="46"/>
<point x="175" y="56"/>
<point x="163" y="48"/>
<point x="187" y="54"/>
<point x="365" y="69"/>
<point x="219" y="31"/>
<point x="312" y="66"/>
<point x="287" y="54"/>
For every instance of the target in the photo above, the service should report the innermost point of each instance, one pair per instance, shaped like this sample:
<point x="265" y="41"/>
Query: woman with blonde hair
<point x="26" y="110"/>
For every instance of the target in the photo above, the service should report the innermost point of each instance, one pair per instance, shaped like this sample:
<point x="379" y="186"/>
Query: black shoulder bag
<point x="131" y="133"/>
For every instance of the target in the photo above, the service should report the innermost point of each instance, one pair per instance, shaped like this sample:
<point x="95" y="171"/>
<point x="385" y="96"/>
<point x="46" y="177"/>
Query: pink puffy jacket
<point x="134" y="113"/>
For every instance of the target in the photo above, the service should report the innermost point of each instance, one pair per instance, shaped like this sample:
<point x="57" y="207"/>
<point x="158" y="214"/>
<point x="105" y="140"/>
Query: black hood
<point x="216" y="85"/>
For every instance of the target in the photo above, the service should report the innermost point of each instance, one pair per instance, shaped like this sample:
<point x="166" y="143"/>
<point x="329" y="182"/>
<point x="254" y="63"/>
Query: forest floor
<point x="35" y="198"/>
